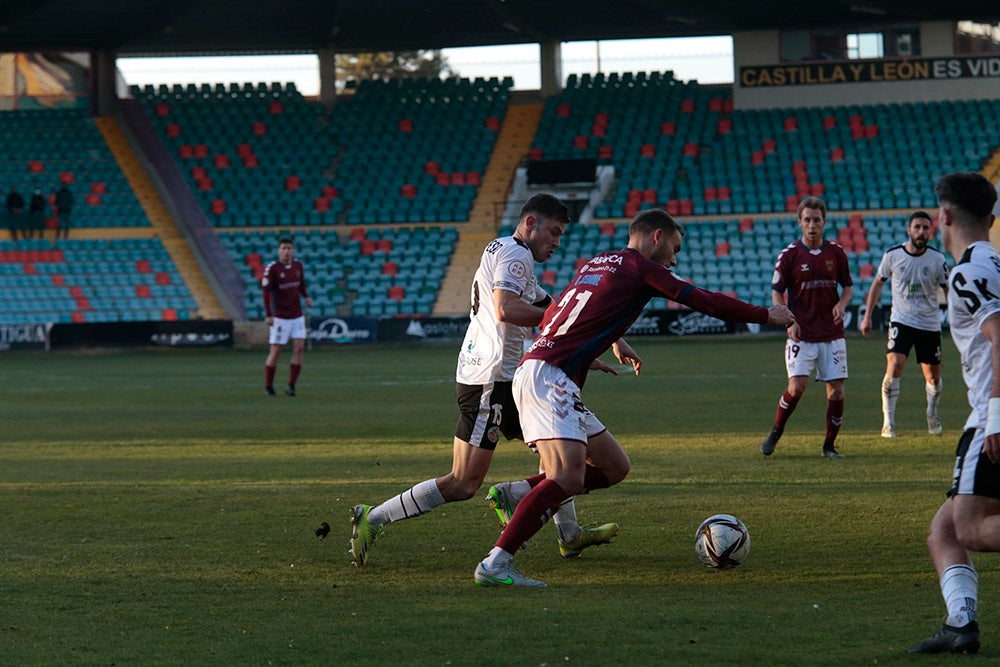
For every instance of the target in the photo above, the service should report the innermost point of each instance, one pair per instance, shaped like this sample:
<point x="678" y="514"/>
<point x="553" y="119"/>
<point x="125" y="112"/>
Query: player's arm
<point x="510" y="308"/>
<point x="991" y="330"/>
<point x="840" y="308"/>
<point x="266" y="294"/>
<point x="304" y="292"/>
<point x="871" y="301"/>
<point x="626" y="355"/>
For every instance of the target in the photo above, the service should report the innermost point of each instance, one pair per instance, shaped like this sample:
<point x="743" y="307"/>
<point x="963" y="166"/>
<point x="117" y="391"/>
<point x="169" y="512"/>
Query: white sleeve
<point x="513" y="270"/>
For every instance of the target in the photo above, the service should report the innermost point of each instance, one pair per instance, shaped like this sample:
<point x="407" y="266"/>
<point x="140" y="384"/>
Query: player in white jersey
<point x="969" y="519"/>
<point x="917" y="272"/>
<point x="506" y="302"/>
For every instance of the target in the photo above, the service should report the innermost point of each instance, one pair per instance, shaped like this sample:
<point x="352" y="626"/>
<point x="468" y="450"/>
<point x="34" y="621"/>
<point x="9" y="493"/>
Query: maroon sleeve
<point x="724" y="307"/>
<point x="715" y="304"/>
<point x="302" y="285"/>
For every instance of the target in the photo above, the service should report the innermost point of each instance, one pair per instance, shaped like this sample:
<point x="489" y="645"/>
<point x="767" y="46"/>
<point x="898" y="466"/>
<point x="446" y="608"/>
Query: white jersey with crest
<point x="974" y="297"/>
<point x="915" y="282"/>
<point x="492" y="349"/>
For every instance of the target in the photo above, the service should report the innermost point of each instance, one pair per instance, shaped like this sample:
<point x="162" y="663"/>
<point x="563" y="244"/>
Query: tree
<point x="390" y="65"/>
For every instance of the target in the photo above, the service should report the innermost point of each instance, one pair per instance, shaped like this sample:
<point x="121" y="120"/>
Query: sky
<point x="705" y="59"/>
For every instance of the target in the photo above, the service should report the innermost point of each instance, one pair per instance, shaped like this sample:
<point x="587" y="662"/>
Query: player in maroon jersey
<point x="601" y="302"/>
<point x="812" y="278"/>
<point x="284" y="282"/>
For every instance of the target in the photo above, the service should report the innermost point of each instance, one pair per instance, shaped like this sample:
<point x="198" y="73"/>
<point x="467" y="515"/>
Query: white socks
<point x="960" y="586"/>
<point x="415" y="501"/>
<point x="566" y="523"/>
<point x="890" y="393"/>
<point x="497" y="557"/>
<point x="933" y="392"/>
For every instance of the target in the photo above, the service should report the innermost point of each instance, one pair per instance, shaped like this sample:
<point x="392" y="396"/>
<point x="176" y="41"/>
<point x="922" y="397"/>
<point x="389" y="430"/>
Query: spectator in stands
<point x="283" y="283"/>
<point x="36" y="218"/>
<point x="813" y="278"/>
<point x="15" y="213"/>
<point x="64" y="204"/>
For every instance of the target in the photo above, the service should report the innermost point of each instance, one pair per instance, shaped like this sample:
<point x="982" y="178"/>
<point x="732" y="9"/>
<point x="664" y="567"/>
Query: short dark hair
<point x="285" y="239"/>
<point x="547" y="206"/>
<point x="918" y="214"/>
<point x="968" y="190"/>
<point x="648" y="221"/>
<point x="811" y="202"/>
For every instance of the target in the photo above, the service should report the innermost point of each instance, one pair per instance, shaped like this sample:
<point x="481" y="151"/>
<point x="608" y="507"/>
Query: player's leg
<point x="968" y="521"/>
<point x="800" y="361"/>
<point x="831" y="368"/>
<point x="929" y="356"/>
<point x="895" y="361"/>
<point x="476" y="437"/>
<point x="271" y="366"/>
<point x="295" y="366"/>
<point x="959" y="584"/>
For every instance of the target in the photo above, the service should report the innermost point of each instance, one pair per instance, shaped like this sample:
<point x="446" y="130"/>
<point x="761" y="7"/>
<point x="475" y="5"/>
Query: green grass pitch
<point x="158" y="509"/>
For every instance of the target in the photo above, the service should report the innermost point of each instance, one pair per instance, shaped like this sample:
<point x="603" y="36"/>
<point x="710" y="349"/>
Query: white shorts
<point x="550" y="406"/>
<point x="283" y="329"/>
<point x="829" y="360"/>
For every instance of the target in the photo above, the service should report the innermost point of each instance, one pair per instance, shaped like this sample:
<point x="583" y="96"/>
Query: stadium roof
<point x="186" y="27"/>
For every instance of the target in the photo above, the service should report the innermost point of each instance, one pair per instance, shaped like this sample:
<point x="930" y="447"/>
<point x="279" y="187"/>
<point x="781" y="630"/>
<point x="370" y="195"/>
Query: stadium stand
<point x="683" y="147"/>
<point x="400" y="151"/>
<point x="84" y="280"/>
<point x="40" y="149"/>
<point x="370" y="272"/>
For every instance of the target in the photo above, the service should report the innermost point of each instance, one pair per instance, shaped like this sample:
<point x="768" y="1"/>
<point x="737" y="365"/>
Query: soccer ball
<point x="722" y="541"/>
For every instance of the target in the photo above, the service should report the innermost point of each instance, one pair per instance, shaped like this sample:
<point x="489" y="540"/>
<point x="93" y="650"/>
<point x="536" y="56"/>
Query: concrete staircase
<point x="208" y="305"/>
<point x="512" y="146"/>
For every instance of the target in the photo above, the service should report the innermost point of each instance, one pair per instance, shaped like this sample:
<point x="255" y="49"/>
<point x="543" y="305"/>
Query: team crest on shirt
<point x="518" y="270"/>
<point x="829" y="265"/>
<point x="493" y="434"/>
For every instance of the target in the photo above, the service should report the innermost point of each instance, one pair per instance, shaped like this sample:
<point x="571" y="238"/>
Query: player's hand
<point x="626" y="355"/>
<point x="838" y="313"/>
<point x="269" y="320"/>
<point x="992" y="448"/>
<point x="779" y="316"/>
<point x="866" y="325"/>
<point x="793" y="333"/>
<point x="309" y="302"/>
<point x="598" y="365"/>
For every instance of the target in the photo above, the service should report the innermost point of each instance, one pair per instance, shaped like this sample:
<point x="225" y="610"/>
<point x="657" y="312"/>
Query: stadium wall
<point x="762" y="81"/>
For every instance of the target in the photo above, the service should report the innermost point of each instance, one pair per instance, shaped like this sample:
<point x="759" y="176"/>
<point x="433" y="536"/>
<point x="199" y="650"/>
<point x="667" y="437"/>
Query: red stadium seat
<point x="687" y="106"/>
<point x="143" y="291"/>
<point x="432" y="167"/>
<point x="173" y="130"/>
<point x="396" y="293"/>
<point x="258" y="128"/>
<point x="143" y="266"/>
<point x="390" y="269"/>
<point x="746" y="224"/>
<point x="100" y="187"/>
<point x="563" y="110"/>
<point x="275" y="107"/>
<point x="168" y="314"/>
<point x="384" y="245"/>
<point x="668" y="127"/>
<point x="321" y="204"/>
<point x="163" y="278"/>
<point x="36" y="166"/>
<point x="357" y="234"/>
<point x="866" y="271"/>
<point x="330" y="192"/>
<point x="67" y="177"/>
<point x="493" y="123"/>
<point x="472" y="178"/>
